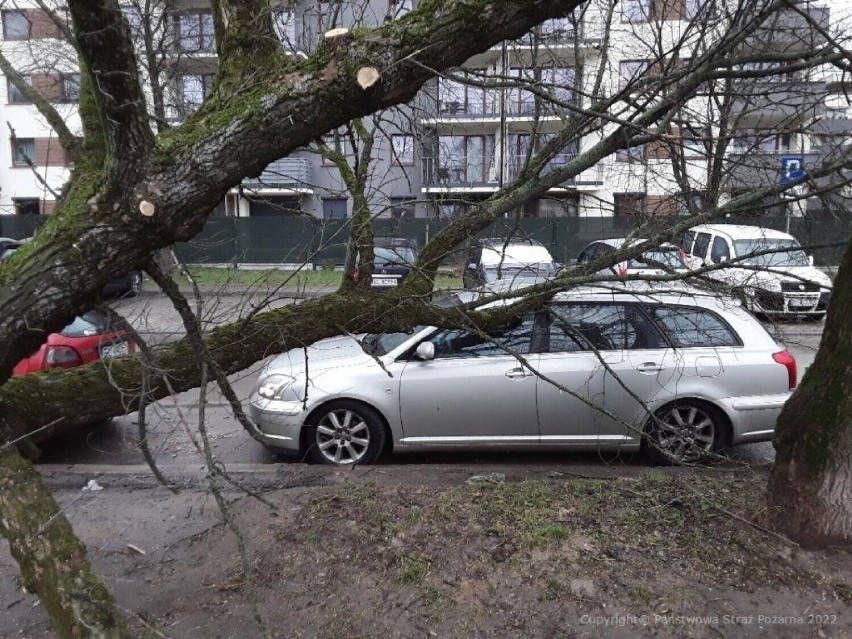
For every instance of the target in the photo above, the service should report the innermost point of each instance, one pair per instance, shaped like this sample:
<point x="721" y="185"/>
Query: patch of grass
<point x="412" y="567"/>
<point x="211" y="276"/>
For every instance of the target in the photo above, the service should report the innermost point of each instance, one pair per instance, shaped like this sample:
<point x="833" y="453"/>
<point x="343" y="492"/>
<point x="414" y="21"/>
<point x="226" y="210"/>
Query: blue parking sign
<point x="792" y="168"/>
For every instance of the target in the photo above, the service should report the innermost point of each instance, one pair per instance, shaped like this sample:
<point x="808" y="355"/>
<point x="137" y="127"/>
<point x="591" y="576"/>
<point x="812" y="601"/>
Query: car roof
<point x="742" y="231"/>
<point x="619" y="242"/>
<point x="502" y="241"/>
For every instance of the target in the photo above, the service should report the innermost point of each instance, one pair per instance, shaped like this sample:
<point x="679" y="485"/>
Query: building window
<point x="752" y="140"/>
<point x="284" y="23"/>
<point x="403" y="149"/>
<point x="16" y="25"/>
<point x="195" y="32"/>
<point x="631" y="154"/>
<point x="520" y="100"/>
<point x="637" y="10"/>
<point x="27" y="205"/>
<point x="465" y="160"/>
<point x="334" y="208"/>
<point x="456" y="97"/>
<point x="694" y="141"/>
<point x="401" y="207"/>
<point x="692" y="8"/>
<point x="630" y="71"/>
<point x="338" y="141"/>
<point x="133" y="16"/>
<point x="70" y="87"/>
<point x="628" y="203"/>
<point x="558" y="30"/>
<point x="23" y="151"/>
<point x="193" y="89"/>
<point x="15" y="95"/>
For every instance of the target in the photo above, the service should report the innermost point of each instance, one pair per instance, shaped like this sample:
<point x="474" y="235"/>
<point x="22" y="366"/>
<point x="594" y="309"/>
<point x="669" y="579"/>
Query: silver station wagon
<point x="675" y="373"/>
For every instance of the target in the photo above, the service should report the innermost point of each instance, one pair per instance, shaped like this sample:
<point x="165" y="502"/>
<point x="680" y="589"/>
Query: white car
<point x="492" y="260"/>
<point x="660" y="260"/>
<point x="769" y="271"/>
<point x="677" y="374"/>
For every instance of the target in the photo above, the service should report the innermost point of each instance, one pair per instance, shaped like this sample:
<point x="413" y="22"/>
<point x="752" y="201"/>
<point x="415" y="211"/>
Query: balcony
<point x="590" y="178"/>
<point x="756" y="168"/>
<point x="460" y="172"/>
<point x="285" y="174"/>
<point x="765" y="103"/>
<point x="786" y="30"/>
<point x="554" y="32"/>
<point x="470" y="110"/>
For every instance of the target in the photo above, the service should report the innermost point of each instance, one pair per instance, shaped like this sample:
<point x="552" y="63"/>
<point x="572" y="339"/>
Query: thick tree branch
<point x="53" y="562"/>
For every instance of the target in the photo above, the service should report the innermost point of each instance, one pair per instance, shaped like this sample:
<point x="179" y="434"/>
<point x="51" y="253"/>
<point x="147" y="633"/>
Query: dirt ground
<point x="389" y="553"/>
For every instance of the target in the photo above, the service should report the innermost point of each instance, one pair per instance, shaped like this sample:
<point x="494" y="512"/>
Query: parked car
<point x="491" y="259"/>
<point x="391" y="265"/>
<point x="660" y="260"/>
<point x="126" y="285"/>
<point x="769" y="271"/>
<point x="707" y="370"/>
<point x="90" y="337"/>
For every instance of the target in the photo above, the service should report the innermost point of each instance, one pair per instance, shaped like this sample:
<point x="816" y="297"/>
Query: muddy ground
<point x="391" y="553"/>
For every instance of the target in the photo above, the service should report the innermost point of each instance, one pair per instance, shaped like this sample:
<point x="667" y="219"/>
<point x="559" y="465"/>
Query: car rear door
<point x="473" y="391"/>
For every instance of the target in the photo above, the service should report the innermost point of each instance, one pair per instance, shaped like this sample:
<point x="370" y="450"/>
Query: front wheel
<point x="683" y="433"/>
<point x="345" y="433"/>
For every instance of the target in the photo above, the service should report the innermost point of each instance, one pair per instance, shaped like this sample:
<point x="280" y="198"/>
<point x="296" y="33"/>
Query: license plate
<point x="800" y="303"/>
<point x="118" y="349"/>
<point x="384" y="281"/>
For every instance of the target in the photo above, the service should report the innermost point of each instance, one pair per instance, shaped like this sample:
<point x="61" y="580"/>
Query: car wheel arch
<point x="303" y="432"/>
<point x="726" y="424"/>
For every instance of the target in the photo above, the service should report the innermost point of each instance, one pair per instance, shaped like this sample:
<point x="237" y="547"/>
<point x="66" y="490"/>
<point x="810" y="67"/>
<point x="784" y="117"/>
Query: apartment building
<point x="468" y="132"/>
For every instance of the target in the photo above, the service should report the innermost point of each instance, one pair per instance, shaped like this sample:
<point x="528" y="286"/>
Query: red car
<point x="88" y="338"/>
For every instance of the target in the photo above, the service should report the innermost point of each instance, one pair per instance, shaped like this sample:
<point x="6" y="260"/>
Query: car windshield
<point x="789" y="253"/>
<point x="384" y="343"/>
<point x="659" y="258"/>
<point x="395" y="255"/>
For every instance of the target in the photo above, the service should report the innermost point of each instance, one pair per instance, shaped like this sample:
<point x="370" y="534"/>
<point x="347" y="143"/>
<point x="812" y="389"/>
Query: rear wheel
<point x="683" y="433"/>
<point x="345" y="433"/>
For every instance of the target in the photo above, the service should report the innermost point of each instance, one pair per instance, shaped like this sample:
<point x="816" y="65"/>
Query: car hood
<point x="329" y="353"/>
<point x="763" y="279"/>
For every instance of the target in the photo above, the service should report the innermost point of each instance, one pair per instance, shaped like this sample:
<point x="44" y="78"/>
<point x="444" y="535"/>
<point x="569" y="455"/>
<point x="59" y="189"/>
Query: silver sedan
<point x="674" y="374"/>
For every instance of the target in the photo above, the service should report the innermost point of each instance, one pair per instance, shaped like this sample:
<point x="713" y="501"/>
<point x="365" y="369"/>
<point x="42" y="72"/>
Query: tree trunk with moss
<point x="810" y="491"/>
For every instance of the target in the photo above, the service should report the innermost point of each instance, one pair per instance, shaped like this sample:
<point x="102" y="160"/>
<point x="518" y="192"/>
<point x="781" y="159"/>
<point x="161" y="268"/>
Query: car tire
<point x="816" y="317"/>
<point x="344" y="433"/>
<point x="683" y="432"/>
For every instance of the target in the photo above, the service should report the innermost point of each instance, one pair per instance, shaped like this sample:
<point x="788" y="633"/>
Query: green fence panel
<point x="20" y="226"/>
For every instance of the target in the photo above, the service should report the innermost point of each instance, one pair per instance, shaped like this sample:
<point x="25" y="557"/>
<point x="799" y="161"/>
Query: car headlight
<point x="272" y="386"/>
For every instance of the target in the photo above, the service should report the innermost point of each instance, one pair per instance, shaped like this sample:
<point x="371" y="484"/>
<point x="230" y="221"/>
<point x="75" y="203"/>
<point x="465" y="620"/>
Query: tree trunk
<point x="53" y="561"/>
<point x="811" y="484"/>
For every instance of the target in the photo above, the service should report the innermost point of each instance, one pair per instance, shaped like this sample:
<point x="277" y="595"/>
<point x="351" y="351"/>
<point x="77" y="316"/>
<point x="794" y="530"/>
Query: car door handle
<point x="514" y="373"/>
<point x="650" y="367"/>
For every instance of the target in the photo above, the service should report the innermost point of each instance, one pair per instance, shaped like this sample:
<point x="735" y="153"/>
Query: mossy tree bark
<point x="810" y="490"/>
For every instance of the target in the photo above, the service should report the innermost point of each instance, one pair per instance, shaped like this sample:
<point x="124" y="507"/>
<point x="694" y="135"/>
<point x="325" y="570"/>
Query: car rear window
<point x="688" y="326"/>
<point x="91" y="323"/>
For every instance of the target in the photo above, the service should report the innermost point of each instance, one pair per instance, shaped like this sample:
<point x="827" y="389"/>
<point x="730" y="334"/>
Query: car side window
<point x="702" y="241"/>
<point x="602" y="327"/>
<point x="587" y="254"/>
<point x="687" y="326"/>
<point x="453" y="343"/>
<point x="686" y="241"/>
<point x="719" y="251"/>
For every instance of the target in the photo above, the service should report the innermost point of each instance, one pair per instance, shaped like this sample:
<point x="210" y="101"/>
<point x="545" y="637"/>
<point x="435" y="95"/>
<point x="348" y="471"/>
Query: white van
<point x="769" y="270"/>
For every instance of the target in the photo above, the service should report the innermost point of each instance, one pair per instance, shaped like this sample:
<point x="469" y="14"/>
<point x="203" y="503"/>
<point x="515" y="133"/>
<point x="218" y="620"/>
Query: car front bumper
<point x="279" y="423"/>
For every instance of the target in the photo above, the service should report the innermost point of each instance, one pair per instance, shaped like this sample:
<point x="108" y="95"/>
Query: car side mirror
<point x="425" y="351"/>
<point x="471" y="267"/>
<point x="810" y="260"/>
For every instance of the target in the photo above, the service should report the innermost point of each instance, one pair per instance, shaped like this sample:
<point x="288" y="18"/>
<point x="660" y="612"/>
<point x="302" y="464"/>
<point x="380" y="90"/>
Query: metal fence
<point x="295" y="240"/>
